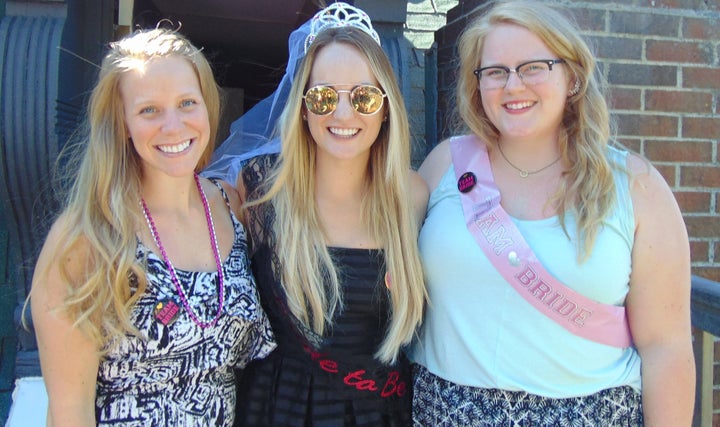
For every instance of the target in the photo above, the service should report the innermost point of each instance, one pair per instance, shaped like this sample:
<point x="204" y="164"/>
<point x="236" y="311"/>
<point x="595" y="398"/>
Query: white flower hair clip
<point x="340" y="15"/>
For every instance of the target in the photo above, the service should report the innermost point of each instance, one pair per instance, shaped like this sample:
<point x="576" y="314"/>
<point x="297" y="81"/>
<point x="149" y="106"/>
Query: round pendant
<point x="523" y="174"/>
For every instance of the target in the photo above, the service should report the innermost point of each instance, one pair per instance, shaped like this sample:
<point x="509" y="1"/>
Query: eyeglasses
<point x="323" y="100"/>
<point x="531" y="73"/>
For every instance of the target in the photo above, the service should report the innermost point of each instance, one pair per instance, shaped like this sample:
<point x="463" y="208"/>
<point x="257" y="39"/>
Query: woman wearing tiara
<point x="143" y="300"/>
<point x="333" y="222"/>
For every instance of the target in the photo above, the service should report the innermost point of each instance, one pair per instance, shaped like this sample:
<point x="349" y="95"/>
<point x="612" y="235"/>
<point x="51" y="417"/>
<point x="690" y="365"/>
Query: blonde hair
<point x="588" y="189"/>
<point x="309" y="278"/>
<point x="101" y="210"/>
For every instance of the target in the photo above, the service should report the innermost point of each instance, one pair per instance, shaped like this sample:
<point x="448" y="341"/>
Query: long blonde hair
<point x="101" y="209"/>
<point x="588" y="189"/>
<point x="309" y="278"/>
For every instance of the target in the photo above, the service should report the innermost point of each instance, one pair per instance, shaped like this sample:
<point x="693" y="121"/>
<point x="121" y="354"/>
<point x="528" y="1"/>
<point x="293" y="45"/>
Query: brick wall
<point x="662" y="61"/>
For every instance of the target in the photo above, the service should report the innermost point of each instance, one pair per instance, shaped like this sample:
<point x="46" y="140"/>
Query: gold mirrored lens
<point x="321" y="100"/>
<point x="366" y="99"/>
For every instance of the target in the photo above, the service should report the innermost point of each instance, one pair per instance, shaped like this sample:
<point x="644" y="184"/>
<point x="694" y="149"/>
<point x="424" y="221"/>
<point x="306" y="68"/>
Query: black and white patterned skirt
<point x="438" y="402"/>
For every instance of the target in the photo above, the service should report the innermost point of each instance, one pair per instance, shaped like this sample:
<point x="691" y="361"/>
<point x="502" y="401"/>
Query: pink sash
<point x="507" y="250"/>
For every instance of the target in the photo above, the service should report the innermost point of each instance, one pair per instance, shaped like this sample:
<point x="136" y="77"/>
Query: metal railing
<point x="705" y="302"/>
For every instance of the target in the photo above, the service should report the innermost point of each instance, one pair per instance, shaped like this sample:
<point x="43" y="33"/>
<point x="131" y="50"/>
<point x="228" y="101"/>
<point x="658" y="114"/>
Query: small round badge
<point x="466" y="182"/>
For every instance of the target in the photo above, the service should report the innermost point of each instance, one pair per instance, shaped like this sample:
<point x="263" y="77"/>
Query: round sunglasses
<point x="323" y="100"/>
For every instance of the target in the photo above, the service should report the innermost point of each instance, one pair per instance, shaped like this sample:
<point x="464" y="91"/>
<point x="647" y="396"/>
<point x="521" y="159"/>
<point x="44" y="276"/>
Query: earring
<point x="574" y="91"/>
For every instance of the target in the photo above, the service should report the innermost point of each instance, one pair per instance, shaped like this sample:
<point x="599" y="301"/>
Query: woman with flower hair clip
<point x="333" y="222"/>
<point x="143" y="300"/>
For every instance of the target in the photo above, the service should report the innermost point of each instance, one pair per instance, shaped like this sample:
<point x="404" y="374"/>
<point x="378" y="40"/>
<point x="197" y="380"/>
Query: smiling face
<point x="343" y="134"/>
<point x="523" y="111"/>
<point x="165" y="115"/>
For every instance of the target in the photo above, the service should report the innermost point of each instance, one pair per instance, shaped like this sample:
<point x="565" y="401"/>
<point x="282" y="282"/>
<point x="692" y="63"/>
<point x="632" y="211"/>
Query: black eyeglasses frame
<point x="508" y="70"/>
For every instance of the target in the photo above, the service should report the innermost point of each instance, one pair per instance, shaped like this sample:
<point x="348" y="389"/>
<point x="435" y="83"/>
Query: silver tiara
<point x="340" y="15"/>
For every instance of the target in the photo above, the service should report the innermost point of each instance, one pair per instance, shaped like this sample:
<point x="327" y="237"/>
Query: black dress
<point x="322" y="381"/>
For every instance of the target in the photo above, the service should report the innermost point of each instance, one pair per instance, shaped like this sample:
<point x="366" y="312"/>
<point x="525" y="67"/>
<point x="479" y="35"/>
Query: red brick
<point x="703" y="78"/>
<point x="687" y="4"/>
<point x="705" y="226"/>
<point x="680" y="101"/>
<point x="693" y="201"/>
<point x="642" y="74"/>
<point x="647" y="125"/>
<point x="682" y="52"/>
<point x="644" y="23"/>
<point x="696" y="28"/>
<point x="700" y="176"/>
<point x="616" y="47"/>
<point x="678" y="151"/>
<point x="624" y="99"/>
<point x="589" y="19"/>
<point x="632" y="144"/>
<point x="699" y="251"/>
<point x="700" y="127"/>
<point x="669" y="173"/>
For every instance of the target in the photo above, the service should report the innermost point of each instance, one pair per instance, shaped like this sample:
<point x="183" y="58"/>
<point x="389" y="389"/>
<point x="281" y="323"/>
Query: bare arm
<point x="420" y="197"/>
<point x="659" y="300"/>
<point x="435" y="165"/>
<point x="68" y="358"/>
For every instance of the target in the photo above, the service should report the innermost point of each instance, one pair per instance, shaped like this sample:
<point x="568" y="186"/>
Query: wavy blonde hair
<point x="588" y="190"/>
<point x="101" y="210"/>
<point x="309" y="278"/>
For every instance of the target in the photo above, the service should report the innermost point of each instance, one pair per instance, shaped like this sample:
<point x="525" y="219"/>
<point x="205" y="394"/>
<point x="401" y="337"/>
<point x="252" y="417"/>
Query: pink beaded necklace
<point x="173" y="276"/>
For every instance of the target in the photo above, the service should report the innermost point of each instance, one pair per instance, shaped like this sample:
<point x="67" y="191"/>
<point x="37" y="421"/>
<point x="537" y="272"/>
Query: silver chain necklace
<point x="525" y="173"/>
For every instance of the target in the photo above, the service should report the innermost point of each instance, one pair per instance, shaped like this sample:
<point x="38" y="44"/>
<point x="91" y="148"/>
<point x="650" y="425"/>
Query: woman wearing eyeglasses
<point x="557" y="264"/>
<point x="334" y="221"/>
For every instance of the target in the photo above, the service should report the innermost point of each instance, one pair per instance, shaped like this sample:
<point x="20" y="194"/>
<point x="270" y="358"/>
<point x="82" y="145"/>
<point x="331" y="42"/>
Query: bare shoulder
<point x="420" y="195"/>
<point x="233" y="195"/>
<point x="435" y="164"/>
<point x="649" y="191"/>
<point x="234" y="199"/>
<point x="74" y="260"/>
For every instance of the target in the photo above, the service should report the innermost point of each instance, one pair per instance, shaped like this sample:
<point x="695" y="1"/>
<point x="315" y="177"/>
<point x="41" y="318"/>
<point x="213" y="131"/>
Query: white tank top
<point x="479" y="331"/>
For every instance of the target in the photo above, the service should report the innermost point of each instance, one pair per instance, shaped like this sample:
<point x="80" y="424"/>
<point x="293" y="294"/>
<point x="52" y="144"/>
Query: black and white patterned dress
<point x="181" y="374"/>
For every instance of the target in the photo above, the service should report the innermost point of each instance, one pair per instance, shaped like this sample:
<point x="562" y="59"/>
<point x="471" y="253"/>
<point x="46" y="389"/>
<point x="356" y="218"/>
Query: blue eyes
<point x="185" y="103"/>
<point x="148" y="110"/>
